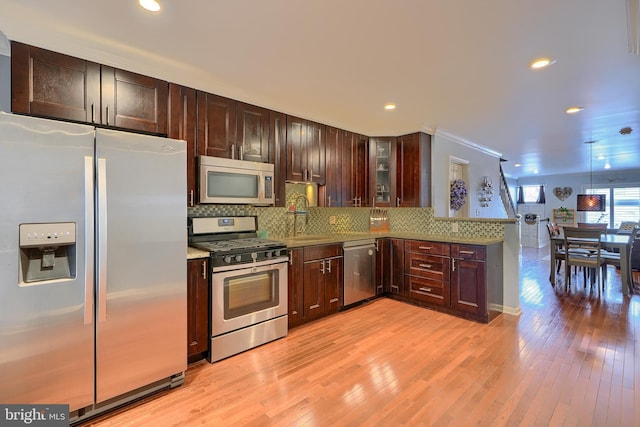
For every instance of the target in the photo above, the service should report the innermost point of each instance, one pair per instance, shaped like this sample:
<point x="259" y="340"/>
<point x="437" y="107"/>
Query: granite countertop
<point x="193" y="253"/>
<point x="327" y="239"/>
<point x="324" y="239"/>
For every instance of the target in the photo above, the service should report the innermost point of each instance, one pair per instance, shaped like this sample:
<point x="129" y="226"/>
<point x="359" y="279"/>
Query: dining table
<point x="608" y="241"/>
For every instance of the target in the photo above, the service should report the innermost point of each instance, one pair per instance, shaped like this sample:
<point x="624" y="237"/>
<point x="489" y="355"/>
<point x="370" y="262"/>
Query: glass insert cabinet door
<point x="383" y="174"/>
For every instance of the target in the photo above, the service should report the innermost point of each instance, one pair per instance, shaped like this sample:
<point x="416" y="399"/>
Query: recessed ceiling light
<point x="573" y="110"/>
<point x="535" y="171"/>
<point x="150" y="5"/>
<point x="607" y="165"/>
<point x="542" y="63"/>
<point x="600" y="157"/>
<point x="390" y="106"/>
<point x="517" y="165"/>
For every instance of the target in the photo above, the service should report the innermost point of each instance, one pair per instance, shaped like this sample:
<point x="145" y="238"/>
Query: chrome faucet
<point x="297" y="212"/>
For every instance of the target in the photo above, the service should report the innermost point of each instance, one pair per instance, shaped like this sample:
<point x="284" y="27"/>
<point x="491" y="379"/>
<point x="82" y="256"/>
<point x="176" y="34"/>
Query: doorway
<point x="459" y="169"/>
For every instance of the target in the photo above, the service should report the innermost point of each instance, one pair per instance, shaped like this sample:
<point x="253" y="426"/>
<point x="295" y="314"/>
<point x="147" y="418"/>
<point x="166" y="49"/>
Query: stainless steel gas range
<point x="248" y="281"/>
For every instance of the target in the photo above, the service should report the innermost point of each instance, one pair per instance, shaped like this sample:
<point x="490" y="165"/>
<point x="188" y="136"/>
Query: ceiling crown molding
<point x="455" y="138"/>
<point x="5" y="48"/>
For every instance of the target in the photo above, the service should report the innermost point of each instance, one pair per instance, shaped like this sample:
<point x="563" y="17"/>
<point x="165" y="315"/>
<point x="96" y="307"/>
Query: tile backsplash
<point x="279" y="222"/>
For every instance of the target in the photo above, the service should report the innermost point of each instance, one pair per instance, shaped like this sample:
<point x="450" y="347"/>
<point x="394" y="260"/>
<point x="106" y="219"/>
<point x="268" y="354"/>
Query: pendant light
<point x="591" y="202"/>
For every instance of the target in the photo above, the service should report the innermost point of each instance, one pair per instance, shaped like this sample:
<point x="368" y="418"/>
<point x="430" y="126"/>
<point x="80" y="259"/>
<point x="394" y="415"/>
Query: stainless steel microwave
<point x="230" y="181"/>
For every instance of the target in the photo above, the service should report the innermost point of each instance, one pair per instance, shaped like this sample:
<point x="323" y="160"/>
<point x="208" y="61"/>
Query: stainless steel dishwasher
<point x="359" y="270"/>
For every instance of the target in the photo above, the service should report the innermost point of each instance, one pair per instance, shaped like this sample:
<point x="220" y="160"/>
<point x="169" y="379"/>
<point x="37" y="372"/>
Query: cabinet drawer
<point x="427" y="266"/>
<point x="468" y="251"/>
<point x="321" y="251"/>
<point x="429" y="290"/>
<point x="434" y="248"/>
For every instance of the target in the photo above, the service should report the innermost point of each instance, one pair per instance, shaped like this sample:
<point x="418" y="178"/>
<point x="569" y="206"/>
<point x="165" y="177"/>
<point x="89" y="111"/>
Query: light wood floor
<point x="567" y="360"/>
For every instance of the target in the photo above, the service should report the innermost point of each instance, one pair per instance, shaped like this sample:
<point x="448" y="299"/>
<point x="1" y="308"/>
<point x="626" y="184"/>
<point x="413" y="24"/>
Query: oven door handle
<point x="250" y="265"/>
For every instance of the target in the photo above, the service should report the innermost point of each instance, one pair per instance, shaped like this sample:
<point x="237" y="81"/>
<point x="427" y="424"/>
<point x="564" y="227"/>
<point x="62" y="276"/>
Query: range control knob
<point x="238" y="258"/>
<point x="267" y="254"/>
<point x="227" y="259"/>
<point x="254" y="256"/>
<point x="276" y="252"/>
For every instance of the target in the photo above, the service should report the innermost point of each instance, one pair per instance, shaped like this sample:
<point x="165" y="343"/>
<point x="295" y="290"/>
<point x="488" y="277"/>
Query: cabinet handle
<point x="329" y="200"/>
<point x="190" y="197"/>
<point x="241" y="150"/>
<point x="233" y="151"/>
<point x="311" y="175"/>
<point x="93" y="114"/>
<point x="425" y="289"/>
<point x="395" y="287"/>
<point x="311" y="307"/>
<point x="378" y="245"/>
<point x="467" y="252"/>
<point x="322" y="266"/>
<point x="425" y="265"/>
<point x="428" y="248"/>
<point x="373" y="202"/>
<point x="359" y="202"/>
<point x="204" y="269"/>
<point x="107" y="115"/>
<point x="290" y="258"/>
<point x="332" y="300"/>
<point x="328" y="266"/>
<point x="398" y="202"/>
<point x="453" y="264"/>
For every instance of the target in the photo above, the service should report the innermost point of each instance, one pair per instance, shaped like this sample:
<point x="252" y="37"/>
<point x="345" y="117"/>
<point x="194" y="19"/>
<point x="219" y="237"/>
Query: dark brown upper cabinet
<point x="216" y="126"/>
<point x="413" y="170"/>
<point x="50" y="84"/>
<point x="355" y="170"/>
<point x="182" y="125"/>
<point x="252" y="132"/>
<point x="382" y="171"/>
<point x="278" y="154"/>
<point x="232" y="129"/>
<point x="305" y="150"/>
<point x="330" y="194"/>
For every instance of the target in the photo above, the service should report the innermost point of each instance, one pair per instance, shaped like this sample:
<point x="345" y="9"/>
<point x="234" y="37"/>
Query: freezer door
<point x="46" y="327"/>
<point x="141" y="261"/>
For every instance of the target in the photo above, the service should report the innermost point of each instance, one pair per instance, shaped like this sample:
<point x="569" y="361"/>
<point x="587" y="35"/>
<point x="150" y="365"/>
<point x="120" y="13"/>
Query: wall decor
<point x="458" y="194"/>
<point x="562" y="192"/>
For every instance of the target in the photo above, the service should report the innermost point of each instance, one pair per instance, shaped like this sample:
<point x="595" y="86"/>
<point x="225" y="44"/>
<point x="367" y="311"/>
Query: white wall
<point x="577" y="182"/>
<point x="481" y="164"/>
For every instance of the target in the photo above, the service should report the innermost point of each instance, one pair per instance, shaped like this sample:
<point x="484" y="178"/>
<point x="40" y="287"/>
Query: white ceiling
<point x="455" y="65"/>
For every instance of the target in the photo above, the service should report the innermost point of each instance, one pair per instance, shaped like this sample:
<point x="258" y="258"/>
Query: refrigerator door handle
<point x="88" y="244"/>
<point x="102" y="240"/>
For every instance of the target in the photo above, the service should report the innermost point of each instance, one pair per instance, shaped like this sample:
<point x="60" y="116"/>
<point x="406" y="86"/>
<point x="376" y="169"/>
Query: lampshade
<point x="592" y="202"/>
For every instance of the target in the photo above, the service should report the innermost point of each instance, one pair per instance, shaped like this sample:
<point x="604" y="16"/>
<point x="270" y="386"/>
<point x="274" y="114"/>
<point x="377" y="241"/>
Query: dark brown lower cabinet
<point x="383" y="263"/>
<point x="477" y="280"/>
<point x="295" y="288"/>
<point x="315" y="282"/>
<point x="197" y="309"/>
<point x="396" y="267"/>
<point x="459" y="279"/>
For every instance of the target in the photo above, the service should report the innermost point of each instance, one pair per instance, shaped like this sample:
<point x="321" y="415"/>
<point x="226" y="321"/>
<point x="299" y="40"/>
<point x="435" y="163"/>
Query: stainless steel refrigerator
<point x="92" y="264"/>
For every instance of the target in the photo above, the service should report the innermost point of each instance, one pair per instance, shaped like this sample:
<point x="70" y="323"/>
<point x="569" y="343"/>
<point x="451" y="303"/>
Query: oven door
<point x="248" y="294"/>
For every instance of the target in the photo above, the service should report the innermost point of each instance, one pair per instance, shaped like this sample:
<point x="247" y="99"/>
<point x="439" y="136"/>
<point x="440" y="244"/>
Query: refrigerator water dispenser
<point x="47" y="252"/>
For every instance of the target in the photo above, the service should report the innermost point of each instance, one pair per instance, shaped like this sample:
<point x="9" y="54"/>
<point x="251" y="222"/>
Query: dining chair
<point x="613" y="258"/>
<point x="626" y="227"/>
<point x="634" y="261"/>
<point x="560" y="254"/>
<point x="582" y="247"/>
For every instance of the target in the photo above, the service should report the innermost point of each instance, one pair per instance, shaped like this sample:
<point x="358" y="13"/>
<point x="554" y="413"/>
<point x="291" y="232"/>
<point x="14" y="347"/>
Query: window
<point x="623" y="204"/>
<point x="531" y="194"/>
